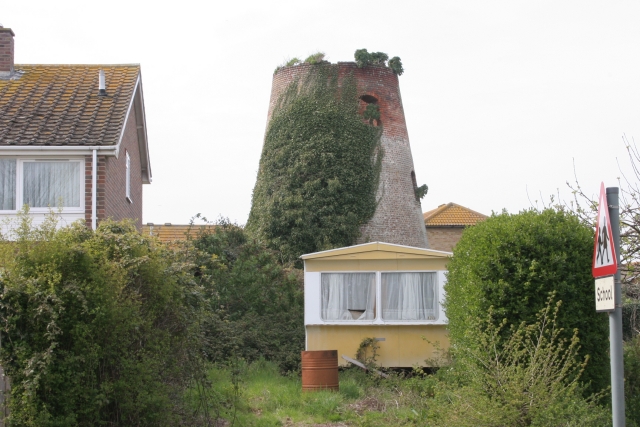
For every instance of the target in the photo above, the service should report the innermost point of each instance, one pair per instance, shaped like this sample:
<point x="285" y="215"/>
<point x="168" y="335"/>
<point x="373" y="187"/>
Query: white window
<point x="7" y="184"/>
<point x="128" y="190"/>
<point x="409" y="296"/>
<point x="41" y="184"/>
<point x="375" y="297"/>
<point x="348" y="296"/>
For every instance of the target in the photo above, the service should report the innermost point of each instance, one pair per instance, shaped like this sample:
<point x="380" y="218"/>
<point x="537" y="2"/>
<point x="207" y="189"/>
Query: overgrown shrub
<point x="364" y="59"/>
<point x="396" y="65"/>
<point x="257" y="304"/>
<point x="511" y="263"/>
<point x="315" y="58"/>
<point x="319" y="168"/>
<point x="515" y="376"/>
<point x="632" y="381"/>
<point x="98" y="328"/>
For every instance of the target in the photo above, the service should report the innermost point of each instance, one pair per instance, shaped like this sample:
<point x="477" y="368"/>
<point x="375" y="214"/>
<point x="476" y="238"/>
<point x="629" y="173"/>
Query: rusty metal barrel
<point x="320" y="370"/>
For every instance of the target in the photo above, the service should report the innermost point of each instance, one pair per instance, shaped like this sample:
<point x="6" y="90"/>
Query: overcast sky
<point x="501" y="98"/>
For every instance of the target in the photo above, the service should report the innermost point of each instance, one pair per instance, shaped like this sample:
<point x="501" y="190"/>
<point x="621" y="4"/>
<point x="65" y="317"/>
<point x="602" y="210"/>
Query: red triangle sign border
<point x="603" y="238"/>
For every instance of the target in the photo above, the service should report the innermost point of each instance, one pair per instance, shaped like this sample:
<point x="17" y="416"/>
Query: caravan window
<point x="348" y="296"/>
<point x="409" y="296"/>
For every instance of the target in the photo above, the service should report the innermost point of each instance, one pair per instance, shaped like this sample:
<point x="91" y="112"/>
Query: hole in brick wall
<point x="369" y="99"/>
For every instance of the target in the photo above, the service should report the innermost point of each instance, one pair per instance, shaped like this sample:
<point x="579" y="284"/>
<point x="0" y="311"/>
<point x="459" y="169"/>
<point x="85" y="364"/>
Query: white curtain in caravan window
<point x="7" y="184"/>
<point x="409" y="296"/>
<point x="348" y="296"/>
<point x="51" y="184"/>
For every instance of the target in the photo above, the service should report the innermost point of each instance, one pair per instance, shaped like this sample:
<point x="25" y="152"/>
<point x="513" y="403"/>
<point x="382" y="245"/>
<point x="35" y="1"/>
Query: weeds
<point x="268" y="398"/>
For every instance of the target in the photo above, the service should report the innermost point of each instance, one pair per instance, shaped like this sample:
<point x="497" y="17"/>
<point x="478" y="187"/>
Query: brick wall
<point x="398" y="218"/>
<point x="6" y="50"/>
<point x="444" y="238"/>
<point x="111" y="197"/>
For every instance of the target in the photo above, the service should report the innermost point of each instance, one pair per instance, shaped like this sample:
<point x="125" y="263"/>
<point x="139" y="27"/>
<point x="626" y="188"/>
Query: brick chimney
<point x="6" y="51"/>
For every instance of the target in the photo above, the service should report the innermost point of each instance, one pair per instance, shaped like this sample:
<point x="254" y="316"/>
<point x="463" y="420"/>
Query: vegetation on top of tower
<point x="319" y="168"/>
<point x="364" y="58"/>
<point x="315" y="58"/>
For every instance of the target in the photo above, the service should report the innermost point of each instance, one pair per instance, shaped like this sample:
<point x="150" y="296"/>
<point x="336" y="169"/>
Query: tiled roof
<point x="452" y="215"/>
<point x="169" y="232"/>
<point x="59" y="105"/>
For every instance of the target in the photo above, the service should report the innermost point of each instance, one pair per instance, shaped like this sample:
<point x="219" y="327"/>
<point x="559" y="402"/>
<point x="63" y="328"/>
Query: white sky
<point x="500" y="97"/>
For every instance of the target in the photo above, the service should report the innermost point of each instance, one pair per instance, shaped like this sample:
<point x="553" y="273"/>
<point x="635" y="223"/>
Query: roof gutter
<point x="19" y="150"/>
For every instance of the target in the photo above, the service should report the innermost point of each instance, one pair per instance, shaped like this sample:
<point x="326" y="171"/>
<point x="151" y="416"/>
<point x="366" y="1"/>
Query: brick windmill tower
<point x="398" y="217"/>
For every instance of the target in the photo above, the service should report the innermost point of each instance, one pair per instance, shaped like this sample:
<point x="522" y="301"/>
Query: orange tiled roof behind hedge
<point x="171" y="232"/>
<point x="452" y="215"/>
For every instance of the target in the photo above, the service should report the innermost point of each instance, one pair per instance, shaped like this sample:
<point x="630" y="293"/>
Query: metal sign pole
<point x="615" y="319"/>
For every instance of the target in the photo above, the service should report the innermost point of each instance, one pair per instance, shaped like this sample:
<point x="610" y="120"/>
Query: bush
<point x="632" y="381"/>
<point x="99" y="328"/>
<point x="518" y="376"/>
<point x="315" y="58"/>
<point x="364" y="59"/>
<point x="511" y="263"/>
<point x="396" y="65"/>
<point x="257" y="304"/>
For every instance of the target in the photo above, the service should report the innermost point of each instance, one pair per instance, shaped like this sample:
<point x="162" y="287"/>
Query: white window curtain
<point x="348" y="296"/>
<point x="51" y="184"/>
<point x="7" y="184"/>
<point x="409" y="296"/>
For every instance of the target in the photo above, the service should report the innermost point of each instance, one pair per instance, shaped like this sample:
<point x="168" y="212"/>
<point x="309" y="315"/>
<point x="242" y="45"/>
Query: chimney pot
<point x="102" y="87"/>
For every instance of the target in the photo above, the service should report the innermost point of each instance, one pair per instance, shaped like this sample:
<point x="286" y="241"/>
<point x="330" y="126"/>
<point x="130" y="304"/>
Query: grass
<point x="263" y="397"/>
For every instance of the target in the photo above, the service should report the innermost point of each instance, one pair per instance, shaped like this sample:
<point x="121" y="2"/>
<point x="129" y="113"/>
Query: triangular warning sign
<point x="604" y="254"/>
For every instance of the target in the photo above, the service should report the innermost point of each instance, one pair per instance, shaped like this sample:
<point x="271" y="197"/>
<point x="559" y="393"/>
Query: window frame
<point x="436" y="297"/>
<point x="378" y="320"/>
<point x="19" y="196"/>
<point x="128" y="177"/>
<point x="375" y="303"/>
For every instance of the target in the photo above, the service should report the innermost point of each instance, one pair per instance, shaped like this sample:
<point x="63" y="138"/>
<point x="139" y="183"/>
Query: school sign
<point x="605" y="263"/>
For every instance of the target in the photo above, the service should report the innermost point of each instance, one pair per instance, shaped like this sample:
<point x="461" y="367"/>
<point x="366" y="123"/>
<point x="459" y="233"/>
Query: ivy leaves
<point x="319" y="168"/>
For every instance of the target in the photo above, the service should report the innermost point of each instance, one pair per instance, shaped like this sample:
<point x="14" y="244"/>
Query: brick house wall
<point x="398" y="218"/>
<point x="111" y="196"/>
<point x="444" y="238"/>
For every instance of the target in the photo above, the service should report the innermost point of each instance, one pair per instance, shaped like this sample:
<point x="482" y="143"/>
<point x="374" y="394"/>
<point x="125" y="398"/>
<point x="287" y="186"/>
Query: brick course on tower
<point x="398" y="218"/>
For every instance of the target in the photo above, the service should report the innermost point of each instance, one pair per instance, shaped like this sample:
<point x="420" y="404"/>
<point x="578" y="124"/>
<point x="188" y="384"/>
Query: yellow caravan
<point x="392" y="293"/>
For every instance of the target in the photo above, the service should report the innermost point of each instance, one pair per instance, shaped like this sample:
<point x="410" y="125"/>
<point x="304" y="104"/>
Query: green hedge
<point x="512" y="263"/>
<point x="98" y="328"/>
<point x="256" y="303"/>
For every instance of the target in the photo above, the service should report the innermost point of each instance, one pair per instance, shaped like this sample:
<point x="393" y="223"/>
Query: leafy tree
<point x="319" y="168"/>
<point x="511" y="263"/>
<point x="98" y="328"/>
